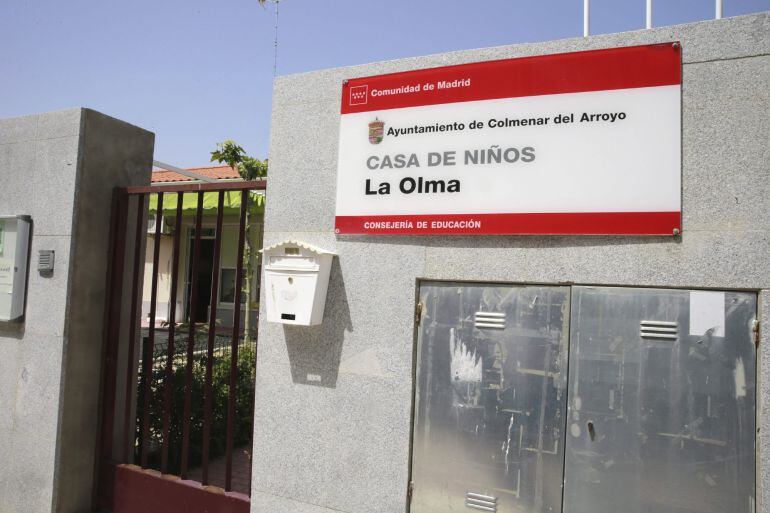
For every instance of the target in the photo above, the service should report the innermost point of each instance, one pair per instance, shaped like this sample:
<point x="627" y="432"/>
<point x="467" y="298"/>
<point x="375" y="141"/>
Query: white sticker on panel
<point x="707" y="312"/>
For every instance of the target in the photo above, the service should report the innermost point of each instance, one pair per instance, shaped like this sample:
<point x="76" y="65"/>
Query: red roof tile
<point x="216" y="172"/>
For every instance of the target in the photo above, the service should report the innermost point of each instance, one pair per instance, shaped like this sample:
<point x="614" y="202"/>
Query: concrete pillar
<point x="342" y="443"/>
<point x="60" y="168"/>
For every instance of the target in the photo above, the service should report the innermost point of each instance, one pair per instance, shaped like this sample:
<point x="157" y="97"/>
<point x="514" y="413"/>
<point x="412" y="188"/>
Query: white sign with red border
<point x="578" y="143"/>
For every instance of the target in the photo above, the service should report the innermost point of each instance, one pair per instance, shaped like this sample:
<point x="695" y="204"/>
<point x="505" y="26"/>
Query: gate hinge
<point x="418" y="313"/>
<point x="755" y="331"/>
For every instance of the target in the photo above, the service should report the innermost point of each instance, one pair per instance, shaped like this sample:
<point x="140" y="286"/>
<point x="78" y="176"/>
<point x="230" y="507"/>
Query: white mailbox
<point x="14" y="256"/>
<point x="296" y="280"/>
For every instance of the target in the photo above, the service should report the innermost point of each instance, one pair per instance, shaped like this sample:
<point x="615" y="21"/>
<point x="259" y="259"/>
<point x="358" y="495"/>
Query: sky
<point x="197" y="72"/>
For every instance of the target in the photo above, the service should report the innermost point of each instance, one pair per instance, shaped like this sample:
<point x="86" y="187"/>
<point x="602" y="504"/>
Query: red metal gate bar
<point x="256" y="339"/>
<point x="207" y="402"/>
<point x="171" y="333"/>
<point x="141" y="491"/>
<point x="147" y="351"/>
<point x="191" y="340"/>
<point x="151" y="336"/>
<point x="111" y="330"/>
<point x="234" y="343"/>
<point x="193" y="187"/>
<point x="128" y="456"/>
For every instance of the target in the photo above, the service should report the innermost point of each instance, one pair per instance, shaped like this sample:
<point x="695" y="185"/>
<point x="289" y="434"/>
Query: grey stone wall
<point x="60" y="168"/>
<point x="342" y="443"/>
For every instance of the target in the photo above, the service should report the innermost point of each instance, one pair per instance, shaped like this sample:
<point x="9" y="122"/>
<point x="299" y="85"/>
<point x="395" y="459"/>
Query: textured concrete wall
<point x="60" y="168"/>
<point x="342" y="443"/>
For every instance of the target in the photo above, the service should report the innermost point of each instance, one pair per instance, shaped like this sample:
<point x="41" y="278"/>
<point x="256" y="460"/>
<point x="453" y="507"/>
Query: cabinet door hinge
<point x="418" y="313"/>
<point x="409" y="491"/>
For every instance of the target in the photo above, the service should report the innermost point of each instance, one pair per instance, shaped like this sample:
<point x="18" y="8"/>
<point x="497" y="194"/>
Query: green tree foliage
<point x="249" y="168"/>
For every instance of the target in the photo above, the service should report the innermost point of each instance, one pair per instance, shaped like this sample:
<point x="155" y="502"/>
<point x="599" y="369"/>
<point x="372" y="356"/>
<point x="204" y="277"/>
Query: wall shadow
<point x="315" y="351"/>
<point x="12" y="330"/>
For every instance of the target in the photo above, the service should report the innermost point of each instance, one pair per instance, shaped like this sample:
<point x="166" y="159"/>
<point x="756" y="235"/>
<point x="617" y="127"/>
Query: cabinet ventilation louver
<point x="480" y="502"/>
<point x="489" y="320"/>
<point x="661" y="330"/>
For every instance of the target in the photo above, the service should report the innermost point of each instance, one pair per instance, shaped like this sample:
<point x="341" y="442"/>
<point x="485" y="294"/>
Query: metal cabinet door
<point x="490" y="398"/>
<point x="661" y="402"/>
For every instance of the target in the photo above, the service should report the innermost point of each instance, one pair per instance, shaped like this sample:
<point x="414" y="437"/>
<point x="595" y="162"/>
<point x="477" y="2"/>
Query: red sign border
<point x="539" y="223"/>
<point x="574" y="72"/>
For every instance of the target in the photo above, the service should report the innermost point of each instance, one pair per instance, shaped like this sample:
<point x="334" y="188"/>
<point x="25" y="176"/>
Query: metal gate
<point x="180" y="349"/>
<point x="654" y="414"/>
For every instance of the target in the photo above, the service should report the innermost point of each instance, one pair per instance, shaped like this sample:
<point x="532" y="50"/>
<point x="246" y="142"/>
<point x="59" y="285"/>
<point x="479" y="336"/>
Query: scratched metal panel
<point x="661" y="402"/>
<point x="491" y="400"/>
